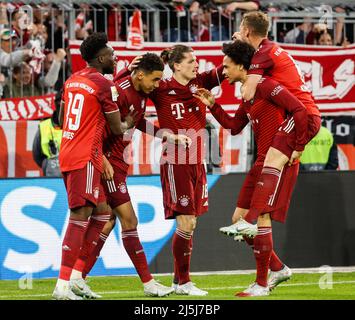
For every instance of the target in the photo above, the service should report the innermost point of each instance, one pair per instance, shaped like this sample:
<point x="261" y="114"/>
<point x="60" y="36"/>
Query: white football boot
<point x="276" y="277"/>
<point x="241" y="227"/>
<point x="64" y="294"/>
<point x="154" y="289"/>
<point x="81" y="288"/>
<point x="190" y="289"/>
<point x="254" y="290"/>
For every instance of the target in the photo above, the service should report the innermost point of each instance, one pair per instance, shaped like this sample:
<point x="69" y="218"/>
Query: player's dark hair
<point x="92" y="45"/>
<point x="150" y="62"/>
<point x="175" y="54"/>
<point x="257" y="22"/>
<point x="240" y="52"/>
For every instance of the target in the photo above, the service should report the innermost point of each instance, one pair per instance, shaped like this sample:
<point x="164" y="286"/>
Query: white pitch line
<point x="205" y="288"/>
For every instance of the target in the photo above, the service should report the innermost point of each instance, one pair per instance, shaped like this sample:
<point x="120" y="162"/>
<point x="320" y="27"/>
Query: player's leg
<point x="82" y="187"/>
<point x="135" y="251"/>
<point x="182" y="185"/>
<point x="91" y="260"/>
<point x="263" y="247"/>
<point x="100" y="216"/>
<point x="240" y="227"/>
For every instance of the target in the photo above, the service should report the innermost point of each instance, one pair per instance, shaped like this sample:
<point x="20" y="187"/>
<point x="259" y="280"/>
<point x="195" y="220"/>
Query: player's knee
<point x="129" y="223"/>
<point x="187" y="223"/>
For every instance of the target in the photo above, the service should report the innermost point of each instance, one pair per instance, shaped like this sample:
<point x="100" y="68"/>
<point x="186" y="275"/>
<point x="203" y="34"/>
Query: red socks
<point x="264" y="193"/>
<point x="72" y="242"/>
<point x="275" y="263"/>
<point x="176" y="270"/>
<point x="263" y="247"/>
<point x="96" y="224"/>
<point x="135" y="251"/>
<point x="182" y="247"/>
<point x="91" y="260"/>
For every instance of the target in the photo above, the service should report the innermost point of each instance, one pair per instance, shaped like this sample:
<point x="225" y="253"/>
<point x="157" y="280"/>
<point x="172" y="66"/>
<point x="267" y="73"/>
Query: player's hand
<point x="237" y="36"/>
<point x="178" y="139"/>
<point x="205" y="96"/>
<point x="294" y="156"/>
<point x="134" y="64"/>
<point x="130" y="119"/>
<point x="108" y="172"/>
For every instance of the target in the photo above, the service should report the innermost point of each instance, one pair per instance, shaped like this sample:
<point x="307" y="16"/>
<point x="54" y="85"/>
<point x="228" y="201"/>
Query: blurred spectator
<point x="22" y="84"/>
<point x="214" y="18"/>
<point x="175" y="23"/>
<point x="46" y="144"/>
<point x="299" y="34"/>
<point x="9" y="56"/>
<point x="320" y="153"/>
<point x="324" y="39"/>
<point x="314" y="33"/>
<point x="20" y="22"/>
<point x="51" y="67"/>
<point x="83" y="22"/>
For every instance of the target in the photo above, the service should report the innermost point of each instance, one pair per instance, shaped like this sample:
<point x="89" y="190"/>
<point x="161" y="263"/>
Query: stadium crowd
<point x="34" y="55"/>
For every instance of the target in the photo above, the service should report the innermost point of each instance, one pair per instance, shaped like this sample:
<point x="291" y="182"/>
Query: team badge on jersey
<point x="122" y="187"/>
<point x="114" y="93"/>
<point x="193" y="88"/>
<point x="143" y="104"/>
<point x="96" y="193"/>
<point x="184" y="200"/>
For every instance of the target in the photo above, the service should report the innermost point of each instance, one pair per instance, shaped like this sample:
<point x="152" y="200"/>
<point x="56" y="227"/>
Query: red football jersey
<point x="87" y="96"/>
<point x="265" y="112"/>
<point x="271" y="60"/>
<point x="182" y="113"/>
<point x="128" y="98"/>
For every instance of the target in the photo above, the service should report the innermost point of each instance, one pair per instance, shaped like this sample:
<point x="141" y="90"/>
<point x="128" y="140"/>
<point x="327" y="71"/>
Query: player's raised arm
<point x="236" y="123"/>
<point x="212" y="78"/>
<point x="128" y="70"/>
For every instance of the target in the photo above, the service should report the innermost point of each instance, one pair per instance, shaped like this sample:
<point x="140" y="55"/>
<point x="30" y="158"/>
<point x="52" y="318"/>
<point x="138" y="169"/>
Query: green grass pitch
<point x="302" y="286"/>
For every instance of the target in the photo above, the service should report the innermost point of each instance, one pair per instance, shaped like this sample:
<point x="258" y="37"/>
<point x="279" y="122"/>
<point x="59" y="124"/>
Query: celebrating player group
<point x="99" y="116"/>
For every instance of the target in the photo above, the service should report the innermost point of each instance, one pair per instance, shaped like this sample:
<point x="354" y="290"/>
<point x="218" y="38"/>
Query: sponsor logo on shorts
<point x="122" y="187"/>
<point x="184" y="200"/>
<point x="96" y="193"/>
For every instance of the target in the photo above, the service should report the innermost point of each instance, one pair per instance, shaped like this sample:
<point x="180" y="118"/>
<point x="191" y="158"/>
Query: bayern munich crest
<point x="122" y="187"/>
<point x="193" y="88"/>
<point x="184" y="200"/>
<point x="96" y="193"/>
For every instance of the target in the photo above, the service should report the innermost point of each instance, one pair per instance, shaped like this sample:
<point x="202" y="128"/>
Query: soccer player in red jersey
<point x="182" y="171"/>
<point x="89" y="99"/>
<point x="271" y="60"/>
<point x="266" y="113"/>
<point x="183" y="175"/>
<point x="132" y="91"/>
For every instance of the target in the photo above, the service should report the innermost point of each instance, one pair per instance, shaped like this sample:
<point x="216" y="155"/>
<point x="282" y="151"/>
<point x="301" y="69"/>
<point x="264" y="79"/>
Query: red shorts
<point x="285" y="138"/>
<point x="185" y="189"/>
<point x="116" y="190"/>
<point x="83" y="186"/>
<point x="282" y="196"/>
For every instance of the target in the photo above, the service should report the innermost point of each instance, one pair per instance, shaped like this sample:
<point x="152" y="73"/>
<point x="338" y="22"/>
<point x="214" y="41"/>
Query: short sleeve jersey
<point x="271" y="60"/>
<point x="179" y="111"/>
<point x="87" y="96"/>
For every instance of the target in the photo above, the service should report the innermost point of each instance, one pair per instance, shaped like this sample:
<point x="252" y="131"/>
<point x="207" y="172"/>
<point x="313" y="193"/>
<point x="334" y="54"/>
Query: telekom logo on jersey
<point x="36" y="225"/>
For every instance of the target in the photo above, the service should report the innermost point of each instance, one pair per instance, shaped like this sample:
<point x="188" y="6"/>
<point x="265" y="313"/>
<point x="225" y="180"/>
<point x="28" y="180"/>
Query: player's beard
<point x="108" y="70"/>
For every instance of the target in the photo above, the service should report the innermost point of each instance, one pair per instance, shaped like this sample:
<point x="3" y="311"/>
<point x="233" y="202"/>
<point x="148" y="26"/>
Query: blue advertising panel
<point x="33" y="220"/>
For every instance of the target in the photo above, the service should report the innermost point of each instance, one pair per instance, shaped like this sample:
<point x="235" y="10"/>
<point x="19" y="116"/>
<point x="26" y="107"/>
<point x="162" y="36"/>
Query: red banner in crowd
<point x="328" y="71"/>
<point x="27" y="108"/>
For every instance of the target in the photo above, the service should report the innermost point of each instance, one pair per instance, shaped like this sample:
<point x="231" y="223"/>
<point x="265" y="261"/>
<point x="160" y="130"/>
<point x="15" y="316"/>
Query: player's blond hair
<point x="257" y="22"/>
